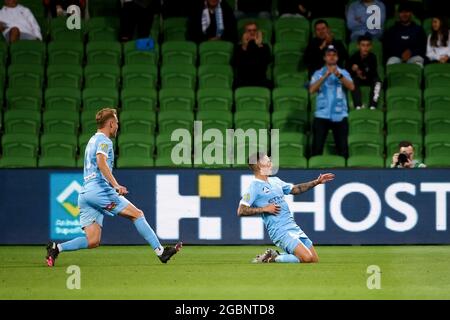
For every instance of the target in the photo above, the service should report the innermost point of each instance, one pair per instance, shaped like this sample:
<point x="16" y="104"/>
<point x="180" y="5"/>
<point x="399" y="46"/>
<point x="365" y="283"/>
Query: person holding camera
<point x="405" y="157"/>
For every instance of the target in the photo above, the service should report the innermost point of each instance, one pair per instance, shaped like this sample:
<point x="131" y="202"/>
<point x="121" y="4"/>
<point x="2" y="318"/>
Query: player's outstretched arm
<point x="303" y="187"/>
<point x="245" y="211"/>
<point x="104" y="169"/>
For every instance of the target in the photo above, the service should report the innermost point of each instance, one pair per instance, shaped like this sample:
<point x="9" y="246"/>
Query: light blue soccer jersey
<point x="260" y="194"/>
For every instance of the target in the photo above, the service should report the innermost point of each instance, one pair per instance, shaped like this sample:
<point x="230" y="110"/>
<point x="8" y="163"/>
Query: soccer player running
<point x="265" y="197"/>
<point x="103" y="195"/>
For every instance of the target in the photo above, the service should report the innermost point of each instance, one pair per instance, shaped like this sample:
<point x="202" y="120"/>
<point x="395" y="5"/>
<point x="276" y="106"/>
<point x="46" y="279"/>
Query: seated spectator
<point x="137" y="14"/>
<point x="405" y="41"/>
<point x="362" y="20"/>
<point x="438" y="44"/>
<point x="404" y="158"/>
<point x="363" y="70"/>
<point x="294" y="8"/>
<point x="213" y="20"/>
<point x="316" y="48"/>
<point x="253" y="9"/>
<point x="58" y="8"/>
<point x="252" y="59"/>
<point x="330" y="82"/>
<point x="18" y="22"/>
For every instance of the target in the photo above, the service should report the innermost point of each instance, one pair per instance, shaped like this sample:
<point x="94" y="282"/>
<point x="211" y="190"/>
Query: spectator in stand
<point x="252" y="59"/>
<point x="405" y="42"/>
<point x="137" y="14"/>
<point x="363" y="70"/>
<point x="18" y="22"/>
<point x="213" y="20"/>
<point x="315" y="50"/>
<point x="294" y="8"/>
<point x="366" y="16"/>
<point x="404" y="158"/>
<point x="335" y="8"/>
<point x="438" y="44"/>
<point x="253" y="9"/>
<point x="58" y="8"/>
<point x="330" y="83"/>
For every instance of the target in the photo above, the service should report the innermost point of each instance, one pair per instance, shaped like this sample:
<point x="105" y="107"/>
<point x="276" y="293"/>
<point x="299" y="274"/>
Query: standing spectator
<point x="18" y="23"/>
<point x="213" y="20"/>
<point x="405" y="41"/>
<point x="253" y="9"/>
<point x="366" y="16"/>
<point x="137" y="14"/>
<point x="364" y="72"/>
<point x="58" y="8"/>
<point x="331" y="112"/>
<point x="438" y="44"/>
<point x="252" y="58"/>
<point x="316" y="48"/>
<point x="294" y="8"/>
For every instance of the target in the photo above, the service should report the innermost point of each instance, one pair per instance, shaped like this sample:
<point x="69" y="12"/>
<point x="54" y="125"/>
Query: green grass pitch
<point x="225" y="272"/>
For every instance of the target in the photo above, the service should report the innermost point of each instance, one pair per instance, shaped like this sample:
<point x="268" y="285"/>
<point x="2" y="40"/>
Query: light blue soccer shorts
<point x="291" y="239"/>
<point x="94" y="204"/>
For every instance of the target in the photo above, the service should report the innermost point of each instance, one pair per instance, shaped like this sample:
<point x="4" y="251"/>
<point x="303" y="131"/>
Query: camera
<point x="402" y="159"/>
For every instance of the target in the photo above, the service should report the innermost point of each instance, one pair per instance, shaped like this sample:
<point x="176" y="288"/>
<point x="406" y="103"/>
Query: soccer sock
<point x="287" y="258"/>
<point x="74" y="244"/>
<point x="148" y="234"/>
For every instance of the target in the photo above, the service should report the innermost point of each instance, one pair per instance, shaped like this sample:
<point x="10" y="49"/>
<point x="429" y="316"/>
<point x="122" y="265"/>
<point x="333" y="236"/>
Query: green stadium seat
<point x="366" y="121"/>
<point x="88" y="123"/>
<point x="178" y="76"/>
<point x="35" y="7"/>
<point x="437" y="121"/>
<point x="29" y="99"/>
<point x="58" y="150"/>
<point x="398" y="121"/>
<point x="138" y="99"/>
<point x="290" y="98"/>
<point x="104" y="52"/>
<point x="437" y="75"/>
<point x="215" y="52"/>
<point x="58" y="121"/>
<point x="174" y="29"/>
<point x="252" y="98"/>
<point x="176" y="99"/>
<point x="139" y="76"/>
<point x="26" y="76"/>
<point x="365" y="162"/>
<point x="291" y="150"/>
<point x="392" y="141"/>
<point x="437" y="150"/>
<point x="103" y="28"/>
<point x="366" y="144"/>
<point x="165" y="146"/>
<point x="292" y="30"/>
<point x="214" y="99"/>
<point x="60" y="32"/>
<point x="19" y="150"/>
<point x="3" y="52"/>
<point x="63" y="99"/>
<point x="244" y="149"/>
<point x="100" y="8"/>
<point x="135" y="150"/>
<point x="135" y="56"/>
<point x="28" y="52"/>
<point x="138" y="122"/>
<point x="264" y="25"/>
<point x="403" y="98"/>
<point x="249" y="119"/>
<point x="66" y="53"/>
<point x="337" y="25"/>
<point x="170" y="120"/>
<point x="99" y="98"/>
<point x="22" y="121"/>
<point x="437" y="99"/>
<point x="179" y="52"/>
<point x="213" y="155"/>
<point x="292" y="79"/>
<point x="404" y="75"/>
<point x="65" y="76"/>
<point x="102" y="76"/>
<point x="215" y="76"/>
<point x="365" y="95"/>
<point x="326" y="161"/>
<point x="289" y="54"/>
<point x="290" y="120"/>
<point x="213" y="119"/>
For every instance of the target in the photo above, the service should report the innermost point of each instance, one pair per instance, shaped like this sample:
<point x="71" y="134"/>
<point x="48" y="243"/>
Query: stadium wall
<point x="199" y="206"/>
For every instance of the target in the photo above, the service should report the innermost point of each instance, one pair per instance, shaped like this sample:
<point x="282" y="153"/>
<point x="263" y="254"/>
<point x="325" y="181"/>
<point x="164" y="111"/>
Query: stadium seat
<point x="252" y="99"/>
<point x="58" y="121"/>
<point x="66" y="53"/>
<point x="215" y="52"/>
<point x="404" y="75"/>
<point x="291" y="79"/>
<point x="165" y="147"/>
<point x="292" y="30"/>
<point x="291" y="150"/>
<point x="337" y="25"/>
<point x="88" y="123"/>
<point x="214" y="99"/>
<point x="179" y="52"/>
<point x="243" y="150"/>
<point x="19" y="121"/>
<point x="3" y="52"/>
<point x="436" y="99"/>
<point x="139" y="76"/>
<point x="26" y="76"/>
<point x="326" y="161"/>
<point x="249" y="119"/>
<point x="135" y="56"/>
<point x="178" y="76"/>
<point x="28" y="52"/>
<point x="29" y="99"/>
<point x="403" y="99"/>
<point x="60" y="32"/>
<point x="19" y="150"/>
<point x="176" y="99"/>
<point x="213" y="155"/>
<point x="437" y="150"/>
<point x="290" y="120"/>
<point x="213" y="119"/>
<point x="101" y="76"/>
<point x="170" y="120"/>
<point x="289" y="54"/>
<point x="366" y="121"/>
<point x="290" y="98"/>
<point x="58" y="150"/>
<point x="437" y="75"/>
<point x="399" y="121"/>
<point x="174" y="29"/>
<point x="437" y="121"/>
<point x="104" y="52"/>
<point x="103" y="28"/>
<point x="99" y="98"/>
<point x="392" y="141"/>
<point x="264" y="25"/>
<point x="65" y="76"/>
<point x="100" y="8"/>
<point x="365" y="162"/>
<point x="63" y="99"/>
<point x="366" y="144"/>
<point x="365" y="97"/>
<point x="135" y="150"/>
<point x="138" y="122"/>
<point x="138" y="99"/>
<point x="215" y="76"/>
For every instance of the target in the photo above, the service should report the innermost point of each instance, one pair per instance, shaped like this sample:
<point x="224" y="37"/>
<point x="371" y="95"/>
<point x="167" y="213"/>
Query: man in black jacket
<point x="137" y="14"/>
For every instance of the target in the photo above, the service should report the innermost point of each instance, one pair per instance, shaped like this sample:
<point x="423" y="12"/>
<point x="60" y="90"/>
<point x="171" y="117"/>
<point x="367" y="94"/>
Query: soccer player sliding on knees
<point x="103" y="195"/>
<point x="265" y="197"/>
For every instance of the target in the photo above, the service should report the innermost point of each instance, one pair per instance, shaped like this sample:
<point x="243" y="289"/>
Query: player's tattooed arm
<point x="303" y="187"/>
<point x="246" y="211"/>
